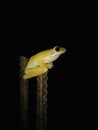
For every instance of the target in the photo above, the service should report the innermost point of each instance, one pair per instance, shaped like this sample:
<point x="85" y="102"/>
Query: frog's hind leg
<point x="35" y="72"/>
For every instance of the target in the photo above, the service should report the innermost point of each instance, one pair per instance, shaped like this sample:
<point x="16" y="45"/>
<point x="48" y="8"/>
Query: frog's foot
<point x="49" y="65"/>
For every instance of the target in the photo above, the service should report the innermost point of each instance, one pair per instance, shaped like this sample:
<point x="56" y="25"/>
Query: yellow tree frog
<point x="42" y="61"/>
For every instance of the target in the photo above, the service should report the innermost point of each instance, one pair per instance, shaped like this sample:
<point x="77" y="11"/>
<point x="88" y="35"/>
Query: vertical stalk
<point x="41" y="118"/>
<point x="24" y="86"/>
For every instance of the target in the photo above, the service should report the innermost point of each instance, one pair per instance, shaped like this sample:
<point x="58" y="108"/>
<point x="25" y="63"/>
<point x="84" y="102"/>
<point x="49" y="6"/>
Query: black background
<point x="28" y="31"/>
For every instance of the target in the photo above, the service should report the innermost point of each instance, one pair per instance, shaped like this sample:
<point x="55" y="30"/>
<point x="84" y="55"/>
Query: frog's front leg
<point x="49" y="65"/>
<point x="32" y="72"/>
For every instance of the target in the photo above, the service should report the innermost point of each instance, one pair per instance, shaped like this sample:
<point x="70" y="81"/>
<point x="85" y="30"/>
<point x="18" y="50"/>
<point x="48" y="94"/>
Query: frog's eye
<point x="57" y="48"/>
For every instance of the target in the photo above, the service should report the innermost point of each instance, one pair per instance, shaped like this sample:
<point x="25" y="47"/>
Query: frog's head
<point x="56" y="52"/>
<point x="59" y="50"/>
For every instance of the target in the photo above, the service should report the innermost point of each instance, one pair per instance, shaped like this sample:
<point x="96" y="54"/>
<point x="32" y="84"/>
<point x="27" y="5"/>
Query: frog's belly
<point x="32" y="65"/>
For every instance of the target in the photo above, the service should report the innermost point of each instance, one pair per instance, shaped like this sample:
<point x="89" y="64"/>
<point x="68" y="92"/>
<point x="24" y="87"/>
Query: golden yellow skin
<point x="42" y="61"/>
